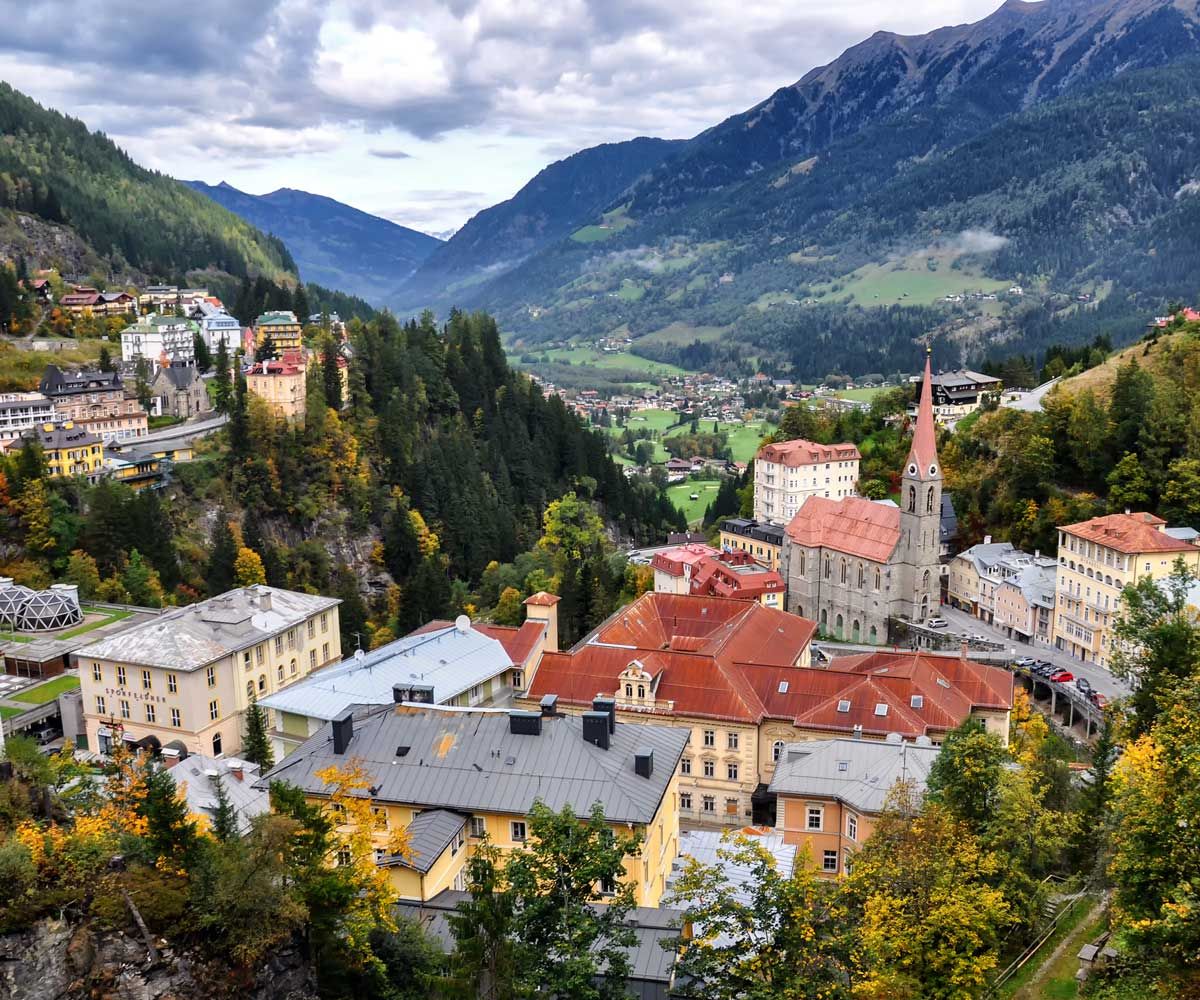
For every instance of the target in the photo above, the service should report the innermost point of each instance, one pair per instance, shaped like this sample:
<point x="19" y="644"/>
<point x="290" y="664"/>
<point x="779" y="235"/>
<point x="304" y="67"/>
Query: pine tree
<point x="256" y="747"/>
<point x="222" y="387"/>
<point x="266" y="351"/>
<point x="224" y="823"/>
<point x="203" y="355"/>
<point x="105" y="361"/>
<point x="222" y="557"/>
<point x="239" y="426"/>
<point x="332" y="374"/>
<point x="169" y="831"/>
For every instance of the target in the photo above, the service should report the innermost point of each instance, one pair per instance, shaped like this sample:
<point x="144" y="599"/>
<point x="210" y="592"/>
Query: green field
<point x="611" y="223"/>
<point x="744" y="438"/>
<point x="46" y="692"/>
<point x="623" y="361"/>
<point x="693" y="510"/>
<point x="863" y="395"/>
<point x="682" y="333"/>
<point x="911" y="280"/>
<point x="630" y="291"/>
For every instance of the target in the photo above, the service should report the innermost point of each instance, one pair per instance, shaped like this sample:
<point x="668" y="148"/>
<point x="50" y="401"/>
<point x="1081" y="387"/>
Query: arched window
<point x="828" y="567"/>
<point x="801" y="563"/>
<point x="878" y="578"/>
<point x="641" y="690"/>
<point x="217" y="745"/>
<point x="628" y="690"/>
<point x="262" y="682"/>
<point x="855" y="631"/>
<point x="874" y="633"/>
<point x="292" y="666"/>
<point x="925" y="581"/>
<point x="839" y="625"/>
<point x="929" y="501"/>
<point x="249" y="689"/>
<point x="824" y="618"/>
<point x="912" y="499"/>
<point x="279" y="672"/>
<point x="776" y="750"/>
<point x="862" y="576"/>
<point x="845" y="574"/>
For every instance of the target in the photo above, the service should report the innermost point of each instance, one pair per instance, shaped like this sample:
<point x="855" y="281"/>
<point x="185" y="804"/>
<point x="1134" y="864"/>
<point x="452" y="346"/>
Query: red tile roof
<point x="542" y="600"/>
<point x="1132" y="533"/>
<point x="868" y="529"/>
<point x="800" y="452"/>
<point x="734" y="574"/>
<point x="519" y="641"/>
<point x="672" y="561"/>
<point x="924" y="444"/>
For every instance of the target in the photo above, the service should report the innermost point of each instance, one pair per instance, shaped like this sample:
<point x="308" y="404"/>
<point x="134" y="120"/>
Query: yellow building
<point x="452" y="777"/>
<point x="284" y="329"/>
<point x="70" y="450"/>
<point x="183" y="680"/>
<point x="1097" y="559"/>
<point x="763" y="541"/>
<point x="282" y="385"/>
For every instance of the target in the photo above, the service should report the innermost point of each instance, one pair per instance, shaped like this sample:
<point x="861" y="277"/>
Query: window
<point x="478" y="826"/>
<point x="146" y="683"/>
<point x="816" y="817"/>
<point x="216" y="744"/>
<point x="685" y="800"/>
<point x="249" y="690"/>
<point x="731" y="807"/>
<point x="172" y="683"/>
<point x="776" y="751"/>
<point x="476" y="691"/>
<point x="312" y="628"/>
<point x="709" y="804"/>
<point x="279" y="673"/>
<point x="246" y="664"/>
<point x="877" y="578"/>
<point x="124" y="709"/>
<point x="176" y="721"/>
<point x="641" y="690"/>
<point x="211" y="675"/>
<point x="912" y="500"/>
<point x="844" y="571"/>
<point x="710" y="737"/>
<point x="517" y="830"/>
<point x="149" y="711"/>
<point x="292" y="667"/>
<point x="343" y="858"/>
<point x="457" y="843"/>
<point x="278" y="644"/>
<point x="628" y="690"/>
<point x="917" y="701"/>
<point x="291" y="638"/>
<point x="259" y="654"/>
<point x="844" y="705"/>
<point x="828" y="567"/>
<point x="380" y="817"/>
<point x="324" y="651"/>
<point x="829" y="861"/>
<point x="731" y="772"/>
<point x="100" y="706"/>
<point x="262" y="683"/>
<point x="881" y="709"/>
<point x="214" y="710"/>
<point x="312" y="659"/>
<point x="732" y="741"/>
<point x="324" y="622"/>
<point x="710" y="769"/>
<point x="852" y="827"/>
<point x="97" y="674"/>
<point x="120" y="676"/>
<point x="685" y="765"/>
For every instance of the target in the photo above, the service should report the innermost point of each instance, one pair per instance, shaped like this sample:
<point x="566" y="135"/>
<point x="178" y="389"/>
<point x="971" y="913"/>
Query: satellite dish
<point x="462" y="623"/>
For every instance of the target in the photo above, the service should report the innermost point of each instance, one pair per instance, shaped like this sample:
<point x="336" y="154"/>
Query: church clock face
<point x="933" y="470"/>
<point x="912" y="470"/>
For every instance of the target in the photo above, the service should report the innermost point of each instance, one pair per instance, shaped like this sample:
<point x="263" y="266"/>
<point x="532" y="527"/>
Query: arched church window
<point x="912" y="499"/>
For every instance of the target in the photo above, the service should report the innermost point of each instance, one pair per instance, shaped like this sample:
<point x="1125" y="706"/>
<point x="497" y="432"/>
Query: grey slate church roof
<point x="468" y="760"/>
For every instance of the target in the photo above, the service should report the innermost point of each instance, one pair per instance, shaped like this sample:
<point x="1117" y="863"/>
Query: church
<point x="852" y="563"/>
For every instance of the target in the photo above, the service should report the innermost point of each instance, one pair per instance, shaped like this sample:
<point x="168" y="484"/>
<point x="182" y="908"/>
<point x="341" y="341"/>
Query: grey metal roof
<point x="1036" y="583"/>
<point x="197" y="778"/>
<point x="649" y="961"/>
<point x="428" y="835"/>
<point x="468" y="760"/>
<point x="858" y="772"/>
<point x="452" y="660"/>
<point x="191" y="637"/>
<point x="986" y="555"/>
<point x="704" y="845"/>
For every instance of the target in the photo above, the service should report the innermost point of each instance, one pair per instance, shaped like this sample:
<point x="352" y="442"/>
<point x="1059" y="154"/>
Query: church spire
<point x="923" y="453"/>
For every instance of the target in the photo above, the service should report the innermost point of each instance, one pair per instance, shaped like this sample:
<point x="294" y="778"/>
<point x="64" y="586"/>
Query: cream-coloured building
<point x="1097" y="559"/>
<point x="183" y="681"/>
<point x="282" y="385"/>
<point x="789" y="472"/>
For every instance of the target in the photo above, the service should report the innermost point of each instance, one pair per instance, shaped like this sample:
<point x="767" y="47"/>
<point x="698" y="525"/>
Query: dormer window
<point x="844" y="705"/>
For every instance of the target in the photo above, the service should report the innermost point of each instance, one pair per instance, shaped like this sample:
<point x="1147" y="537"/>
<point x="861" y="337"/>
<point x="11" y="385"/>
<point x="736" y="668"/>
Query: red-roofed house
<point x="736" y="574"/>
<point x="1096" y="560"/>
<point x="852" y="564"/>
<point x="674" y="568"/>
<point x="788" y="472"/>
<point x="737" y="675"/>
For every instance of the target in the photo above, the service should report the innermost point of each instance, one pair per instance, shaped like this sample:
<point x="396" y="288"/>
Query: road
<point x="1100" y="679"/>
<point x="183" y="432"/>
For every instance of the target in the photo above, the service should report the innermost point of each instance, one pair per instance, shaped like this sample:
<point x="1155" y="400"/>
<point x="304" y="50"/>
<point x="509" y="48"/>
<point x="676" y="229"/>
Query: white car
<point x="935" y="623"/>
<point x="1024" y="661"/>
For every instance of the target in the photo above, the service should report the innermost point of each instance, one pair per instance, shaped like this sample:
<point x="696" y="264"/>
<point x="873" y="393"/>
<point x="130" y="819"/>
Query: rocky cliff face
<point x="58" y="960"/>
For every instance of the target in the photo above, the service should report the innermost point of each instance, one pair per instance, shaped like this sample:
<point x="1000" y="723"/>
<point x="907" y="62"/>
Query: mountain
<point x="1001" y="184"/>
<point x="134" y="222"/>
<point x="559" y="200"/>
<point x="333" y="244"/>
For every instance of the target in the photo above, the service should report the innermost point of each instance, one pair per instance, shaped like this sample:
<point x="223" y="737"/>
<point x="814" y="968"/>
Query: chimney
<point x="422" y="693"/>
<point x="170" y="757"/>
<point x="987" y="539"/>
<point x="858" y="731"/>
<point x="236" y="768"/>
<point x="343" y="730"/>
<point x="264" y="600"/>
<point x="521" y="723"/>
<point x="608" y="705"/>
<point x="549" y="704"/>
<point x="643" y="762"/>
<point x="543" y="607"/>
<point x="595" y="729"/>
<point x="400" y="694"/>
<point x="962" y="653"/>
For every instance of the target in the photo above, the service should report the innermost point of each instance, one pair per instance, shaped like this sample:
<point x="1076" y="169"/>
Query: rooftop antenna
<point x="358" y="639"/>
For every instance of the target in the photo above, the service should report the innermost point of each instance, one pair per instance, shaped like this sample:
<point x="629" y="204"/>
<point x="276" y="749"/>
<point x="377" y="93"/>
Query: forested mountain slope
<point x="333" y="244"/>
<point x="53" y="167"/>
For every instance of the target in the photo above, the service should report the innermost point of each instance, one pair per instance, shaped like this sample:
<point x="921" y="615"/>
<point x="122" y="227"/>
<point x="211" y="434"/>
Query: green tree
<point x="873" y="489"/>
<point x="141" y="582"/>
<point x="105" y="363"/>
<point x="965" y="776"/>
<point x="83" y="572"/>
<point x="222" y="557"/>
<point x="266" y="350"/>
<point x="510" y="610"/>
<point x="484" y="964"/>
<point x="1157" y="646"/>
<point x="571" y="528"/>
<point x="141" y="381"/>
<point x="771" y="935"/>
<point x="1128" y="487"/>
<point x="256" y="745"/>
<point x="331" y="374"/>
<point x="224" y="823"/>
<point x="222" y="384"/>
<point x="170" y="832"/>
<point x="1181" y="495"/>
<point x="33" y="506"/>
<point x="1088" y="434"/>
<point x="1132" y="394"/>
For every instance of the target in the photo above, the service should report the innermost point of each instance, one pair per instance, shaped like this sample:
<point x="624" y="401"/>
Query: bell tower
<point x="921" y="511"/>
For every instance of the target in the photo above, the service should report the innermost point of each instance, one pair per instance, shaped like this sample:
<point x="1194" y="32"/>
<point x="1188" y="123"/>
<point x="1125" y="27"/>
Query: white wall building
<point x="156" y="338"/>
<point x="22" y="411"/>
<point x="789" y="472"/>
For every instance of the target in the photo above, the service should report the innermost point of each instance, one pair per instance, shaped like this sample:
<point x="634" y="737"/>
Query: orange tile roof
<point x="858" y="527"/>
<point x="673" y="560"/>
<point x="542" y="600"/>
<point x="1132" y="533"/>
<point x="800" y="452"/>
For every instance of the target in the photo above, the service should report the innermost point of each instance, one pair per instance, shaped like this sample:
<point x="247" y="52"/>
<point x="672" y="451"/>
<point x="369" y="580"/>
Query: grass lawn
<point x="617" y="361"/>
<point x="21" y="367"/>
<point x="682" y="333"/>
<point x="8" y="713"/>
<point x="693" y="510"/>
<point x="863" y="395"/>
<point x="909" y="281"/>
<point x="157" y="423"/>
<point x="611" y="223"/>
<point x="630" y="291"/>
<point x="744" y="439"/>
<point x="46" y="692"/>
<point x="106" y="616"/>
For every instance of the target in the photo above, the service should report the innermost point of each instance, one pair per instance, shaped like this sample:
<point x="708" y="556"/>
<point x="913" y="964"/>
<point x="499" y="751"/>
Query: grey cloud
<point x="389" y="154"/>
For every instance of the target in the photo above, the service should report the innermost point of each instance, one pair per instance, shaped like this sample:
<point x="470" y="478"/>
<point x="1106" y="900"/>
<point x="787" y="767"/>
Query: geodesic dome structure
<point x="25" y="610"/>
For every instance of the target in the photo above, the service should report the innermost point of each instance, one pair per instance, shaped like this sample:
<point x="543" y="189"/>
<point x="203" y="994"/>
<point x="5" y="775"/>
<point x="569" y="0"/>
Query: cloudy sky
<point x="423" y="111"/>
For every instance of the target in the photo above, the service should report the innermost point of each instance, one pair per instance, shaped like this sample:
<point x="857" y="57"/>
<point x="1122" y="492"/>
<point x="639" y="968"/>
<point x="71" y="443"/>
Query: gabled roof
<point x="519" y="641"/>
<point x="470" y="761"/>
<point x="859" y="773"/>
<point x="1132" y="533"/>
<point x="798" y="452"/>
<point x="867" y="529"/>
<point x="429" y="834"/>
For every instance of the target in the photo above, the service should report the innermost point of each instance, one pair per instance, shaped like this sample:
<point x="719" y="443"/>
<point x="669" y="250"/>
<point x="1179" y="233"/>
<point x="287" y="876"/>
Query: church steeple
<point x="921" y="510"/>
<point x="922" y="456"/>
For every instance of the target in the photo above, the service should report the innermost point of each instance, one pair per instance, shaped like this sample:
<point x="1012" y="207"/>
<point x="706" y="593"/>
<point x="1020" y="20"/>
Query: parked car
<point x="1061" y="676"/>
<point x="935" y="623"/>
<point x="1024" y="661"/>
<point x="1083" y="684"/>
<point x="1098" y="699"/>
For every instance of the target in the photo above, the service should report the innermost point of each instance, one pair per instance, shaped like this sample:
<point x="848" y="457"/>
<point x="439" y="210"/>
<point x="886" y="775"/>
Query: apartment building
<point x="1097" y="559"/>
<point x="978" y="577"/>
<point x="23" y="411"/>
<point x="1025" y="603"/>
<point x="451" y="777"/>
<point x="69" y="449"/>
<point x="183" y="681"/>
<point x="830" y="793"/>
<point x="764" y="542"/>
<point x="217" y="327"/>
<point x="283" y="328"/>
<point x="95" y="400"/>
<point x="282" y="385"/>
<point x="958" y="394"/>
<point x="789" y="472"/>
<point x="736" y="677"/>
<point x="161" y="340"/>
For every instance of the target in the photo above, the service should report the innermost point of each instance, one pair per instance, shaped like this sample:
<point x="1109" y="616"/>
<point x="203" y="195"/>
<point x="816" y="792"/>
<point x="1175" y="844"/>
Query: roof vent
<point x="522" y="723"/>
<point x="549" y="704"/>
<point x="844" y="705"/>
<point x="843" y="765"/>
<point x="942" y="682"/>
<point x="402" y="751"/>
